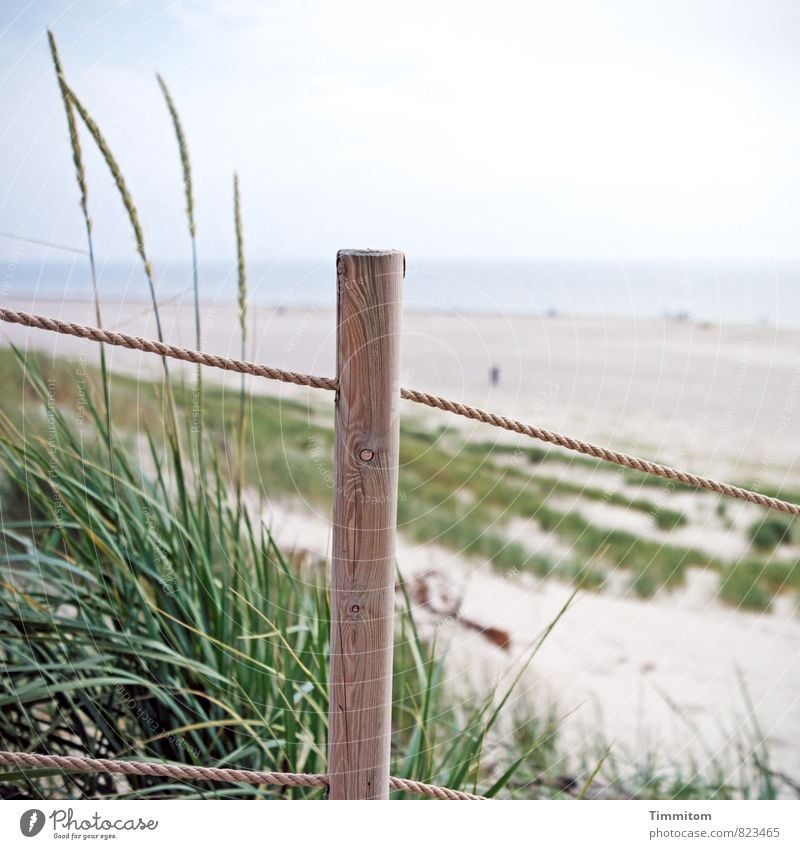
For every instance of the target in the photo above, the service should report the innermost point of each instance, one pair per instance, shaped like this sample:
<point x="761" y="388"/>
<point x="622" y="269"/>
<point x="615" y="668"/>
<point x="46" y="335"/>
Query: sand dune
<point x="662" y="676"/>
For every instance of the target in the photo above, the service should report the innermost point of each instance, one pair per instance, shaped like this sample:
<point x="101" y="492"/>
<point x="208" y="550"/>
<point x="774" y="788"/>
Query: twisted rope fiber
<point x="607" y="454"/>
<point x="206" y="773"/>
<point x="150" y="346"/>
<point x="137" y="343"/>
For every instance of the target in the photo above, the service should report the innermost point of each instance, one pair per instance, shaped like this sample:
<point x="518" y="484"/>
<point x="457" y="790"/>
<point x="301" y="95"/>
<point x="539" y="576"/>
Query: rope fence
<point x="74" y="763"/>
<point x="608" y="455"/>
<point x="175" y="352"/>
<point x="288" y="779"/>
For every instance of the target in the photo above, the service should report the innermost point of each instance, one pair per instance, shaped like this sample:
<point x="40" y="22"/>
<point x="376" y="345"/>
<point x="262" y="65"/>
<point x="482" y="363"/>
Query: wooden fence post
<point x="369" y="295"/>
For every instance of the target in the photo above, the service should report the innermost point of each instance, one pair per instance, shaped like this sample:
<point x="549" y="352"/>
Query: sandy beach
<point x="724" y="400"/>
<point x="716" y="400"/>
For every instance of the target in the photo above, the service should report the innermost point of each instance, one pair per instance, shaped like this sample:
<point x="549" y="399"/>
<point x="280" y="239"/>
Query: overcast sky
<point x="498" y="129"/>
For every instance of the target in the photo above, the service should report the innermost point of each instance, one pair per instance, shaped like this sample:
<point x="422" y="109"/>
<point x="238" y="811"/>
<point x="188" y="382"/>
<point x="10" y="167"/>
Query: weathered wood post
<point x="369" y="294"/>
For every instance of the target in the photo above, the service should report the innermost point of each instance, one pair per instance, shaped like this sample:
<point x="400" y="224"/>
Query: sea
<point x="704" y="291"/>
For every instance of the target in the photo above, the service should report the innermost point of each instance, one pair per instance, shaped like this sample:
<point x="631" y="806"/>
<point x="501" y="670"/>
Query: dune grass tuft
<point x="80" y="176"/>
<point x="186" y="167"/>
<point x="188" y="635"/>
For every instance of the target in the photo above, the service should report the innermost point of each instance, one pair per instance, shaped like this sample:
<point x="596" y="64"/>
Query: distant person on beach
<point x="494" y="376"/>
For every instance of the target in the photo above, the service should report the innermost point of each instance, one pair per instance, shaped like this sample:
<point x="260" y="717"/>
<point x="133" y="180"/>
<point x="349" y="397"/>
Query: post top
<point x="367" y="252"/>
<point x="355" y="261"/>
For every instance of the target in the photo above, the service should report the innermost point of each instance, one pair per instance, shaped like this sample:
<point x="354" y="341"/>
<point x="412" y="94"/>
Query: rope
<point x="608" y="455"/>
<point x="433" y="791"/>
<point x="207" y="773"/>
<point x="150" y="346"/>
<point x="600" y="453"/>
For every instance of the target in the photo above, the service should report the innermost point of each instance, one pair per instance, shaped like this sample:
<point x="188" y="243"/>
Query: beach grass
<point x="187" y="634"/>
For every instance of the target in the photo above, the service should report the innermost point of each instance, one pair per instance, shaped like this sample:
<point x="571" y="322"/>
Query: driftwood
<point x="431" y="591"/>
